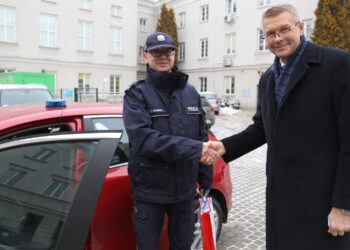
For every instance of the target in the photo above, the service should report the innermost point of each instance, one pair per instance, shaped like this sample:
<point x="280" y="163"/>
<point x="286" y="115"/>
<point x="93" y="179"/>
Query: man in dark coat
<point x="167" y="131"/>
<point x="303" y="114"/>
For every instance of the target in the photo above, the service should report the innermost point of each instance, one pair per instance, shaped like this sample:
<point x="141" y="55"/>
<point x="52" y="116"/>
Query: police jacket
<point x="166" y="126"/>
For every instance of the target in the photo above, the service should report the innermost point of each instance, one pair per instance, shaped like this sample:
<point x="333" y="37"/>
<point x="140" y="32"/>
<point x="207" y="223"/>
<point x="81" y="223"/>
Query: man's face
<point x="161" y="60"/>
<point x="289" y="30"/>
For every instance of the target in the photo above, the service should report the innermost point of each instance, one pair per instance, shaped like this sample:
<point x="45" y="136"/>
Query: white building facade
<point x="85" y="43"/>
<point x="221" y="45"/>
<point x="99" y="43"/>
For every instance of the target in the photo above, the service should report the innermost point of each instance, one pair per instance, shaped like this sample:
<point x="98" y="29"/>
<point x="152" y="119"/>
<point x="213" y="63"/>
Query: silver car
<point x="13" y="94"/>
<point x="209" y="112"/>
<point x="213" y="100"/>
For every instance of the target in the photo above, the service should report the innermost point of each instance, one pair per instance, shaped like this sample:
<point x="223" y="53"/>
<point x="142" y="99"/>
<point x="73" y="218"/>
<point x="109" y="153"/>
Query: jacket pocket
<point x="160" y="122"/>
<point x="157" y="177"/>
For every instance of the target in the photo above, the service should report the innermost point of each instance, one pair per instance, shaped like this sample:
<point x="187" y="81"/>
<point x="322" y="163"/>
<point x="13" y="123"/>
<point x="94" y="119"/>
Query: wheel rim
<point x="197" y="235"/>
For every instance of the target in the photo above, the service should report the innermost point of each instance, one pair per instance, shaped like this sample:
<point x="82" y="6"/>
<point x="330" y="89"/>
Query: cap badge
<point x="160" y="38"/>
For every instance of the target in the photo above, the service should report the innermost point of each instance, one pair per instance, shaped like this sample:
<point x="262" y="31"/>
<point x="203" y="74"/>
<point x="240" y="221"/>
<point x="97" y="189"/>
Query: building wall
<point x="66" y="60"/>
<point x="247" y="63"/>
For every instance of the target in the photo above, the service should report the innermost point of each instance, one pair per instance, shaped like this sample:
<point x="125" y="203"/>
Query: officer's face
<point x="283" y="34"/>
<point x="161" y="60"/>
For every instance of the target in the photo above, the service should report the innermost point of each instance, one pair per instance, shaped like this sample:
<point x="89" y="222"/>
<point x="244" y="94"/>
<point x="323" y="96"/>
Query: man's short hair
<point x="278" y="9"/>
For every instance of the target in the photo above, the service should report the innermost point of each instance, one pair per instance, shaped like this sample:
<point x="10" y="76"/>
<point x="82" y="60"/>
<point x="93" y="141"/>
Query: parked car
<point x="209" y="112"/>
<point x="63" y="190"/>
<point x="213" y="100"/>
<point x="236" y="104"/>
<point x="13" y="94"/>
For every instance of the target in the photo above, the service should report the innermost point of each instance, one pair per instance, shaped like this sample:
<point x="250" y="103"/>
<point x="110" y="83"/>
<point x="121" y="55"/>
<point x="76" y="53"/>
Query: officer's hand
<point x="209" y="156"/>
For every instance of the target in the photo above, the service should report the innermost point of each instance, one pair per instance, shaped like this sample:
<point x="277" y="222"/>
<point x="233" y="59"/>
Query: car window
<point x="121" y="155"/>
<point x="204" y="102"/>
<point x="38" y="184"/>
<point x="24" y="96"/>
<point x="208" y="95"/>
<point x="46" y="129"/>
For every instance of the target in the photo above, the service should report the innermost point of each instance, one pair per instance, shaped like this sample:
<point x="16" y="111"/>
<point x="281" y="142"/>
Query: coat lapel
<point x="271" y="96"/>
<point x="311" y="55"/>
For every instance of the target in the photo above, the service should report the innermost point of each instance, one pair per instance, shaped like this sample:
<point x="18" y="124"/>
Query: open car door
<point x="49" y="186"/>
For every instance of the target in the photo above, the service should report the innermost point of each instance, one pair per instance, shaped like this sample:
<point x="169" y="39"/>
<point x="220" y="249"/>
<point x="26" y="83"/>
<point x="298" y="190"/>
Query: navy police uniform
<point x="166" y="126"/>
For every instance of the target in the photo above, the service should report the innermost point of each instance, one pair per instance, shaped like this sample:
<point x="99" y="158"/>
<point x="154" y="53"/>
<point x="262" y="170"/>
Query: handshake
<point x="212" y="151"/>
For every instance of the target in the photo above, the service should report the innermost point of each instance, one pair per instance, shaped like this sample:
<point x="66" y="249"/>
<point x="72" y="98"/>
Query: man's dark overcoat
<point x="308" y="156"/>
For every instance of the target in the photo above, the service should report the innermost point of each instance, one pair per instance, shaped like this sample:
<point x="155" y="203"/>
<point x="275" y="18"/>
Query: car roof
<point x="22" y="86"/>
<point x="20" y="114"/>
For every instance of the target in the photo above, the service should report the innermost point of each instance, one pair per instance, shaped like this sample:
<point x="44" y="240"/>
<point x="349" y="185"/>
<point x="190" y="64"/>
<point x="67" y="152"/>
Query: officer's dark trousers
<point x="149" y="219"/>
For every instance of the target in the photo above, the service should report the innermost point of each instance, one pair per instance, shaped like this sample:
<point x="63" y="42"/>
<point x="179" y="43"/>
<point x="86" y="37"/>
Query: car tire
<point x="218" y="217"/>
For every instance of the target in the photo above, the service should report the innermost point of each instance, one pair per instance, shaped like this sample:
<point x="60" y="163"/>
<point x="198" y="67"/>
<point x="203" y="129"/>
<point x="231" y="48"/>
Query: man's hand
<point x="338" y="223"/>
<point x="209" y="156"/>
<point x="218" y="146"/>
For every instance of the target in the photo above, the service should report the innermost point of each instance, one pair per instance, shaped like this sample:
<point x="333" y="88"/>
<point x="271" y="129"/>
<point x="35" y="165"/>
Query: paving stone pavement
<point x="245" y="229"/>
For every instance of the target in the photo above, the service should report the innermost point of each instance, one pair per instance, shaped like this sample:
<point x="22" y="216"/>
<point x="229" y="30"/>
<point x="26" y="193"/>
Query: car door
<point x="49" y="186"/>
<point x="112" y="223"/>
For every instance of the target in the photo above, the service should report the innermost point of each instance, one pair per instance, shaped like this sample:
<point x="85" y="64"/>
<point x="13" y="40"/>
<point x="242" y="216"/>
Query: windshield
<point x="23" y="96"/>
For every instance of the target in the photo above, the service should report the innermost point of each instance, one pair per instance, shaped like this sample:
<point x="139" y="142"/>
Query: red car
<point x="64" y="181"/>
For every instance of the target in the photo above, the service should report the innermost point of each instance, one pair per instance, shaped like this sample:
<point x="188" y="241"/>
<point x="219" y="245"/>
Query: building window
<point x="85" y="35"/>
<point x="229" y="84"/>
<point x="230" y="44"/>
<point x="203" y="84"/>
<point x="55" y="188"/>
<point x="204" y="13"/>
<point x="308" y="28"/>
<point x="142" y="26"/>
<point x="263" y="3"/>
<point x="84" y="82"/>
<point x="231" y="7"/>
<point x="262" y="45"/>
<point x="86" y="4"/>
<point x="48" y="30"/>
<point x="141" y="52"/>
<point x="182" y="20"/>
<point x="181" y="52"/>
<point x="11" y="177"/>
<point x="116" y="11"/>
<point x="114" y="84"/>
<point x="7" y="24"/>
<point x="204" y="47"/>
<point x="115" y="42"/>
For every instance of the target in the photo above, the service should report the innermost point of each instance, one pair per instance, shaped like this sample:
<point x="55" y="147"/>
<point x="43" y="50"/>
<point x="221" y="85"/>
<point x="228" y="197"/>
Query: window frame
<point x="229" y="85"/>
<point x="264" y="3"/>
<point x="230" y="43"/>
<point x="116" y="10"/>
<point x="204" y="47"/>
<point x="115" y="40"/>
<point x="203" y="83"/>
<point x="85" y="37"/>
<point x="47" y="30"/>
<point x="8" y="25"/>
<point x="231" y="6"/>
<point x="85" y="4"/>
<point x="262" y="44"/>
<point x="204" y="13"/>
<point x="181" y="52"/>
<point x="142" y="24"/>
<point x="182" y="20"/>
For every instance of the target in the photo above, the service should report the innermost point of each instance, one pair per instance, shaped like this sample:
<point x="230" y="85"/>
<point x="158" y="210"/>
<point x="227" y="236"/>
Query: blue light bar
<point x="56" y="103"/>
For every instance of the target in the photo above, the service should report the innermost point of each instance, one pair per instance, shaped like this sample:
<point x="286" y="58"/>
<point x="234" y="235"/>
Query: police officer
<point x="166" y="127"/>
